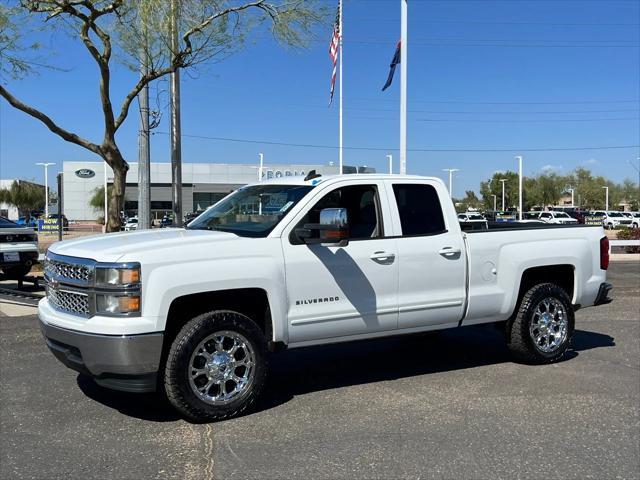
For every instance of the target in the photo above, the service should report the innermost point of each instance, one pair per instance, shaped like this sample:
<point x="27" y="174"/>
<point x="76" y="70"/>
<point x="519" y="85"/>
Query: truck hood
<point x="113" y="246"/>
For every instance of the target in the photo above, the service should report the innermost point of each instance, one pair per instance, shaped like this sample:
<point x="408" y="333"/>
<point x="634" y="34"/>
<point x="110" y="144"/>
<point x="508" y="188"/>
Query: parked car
<point x="132" y="224"/>
<point x="28" y="221"/>
<point x="18" y="249"/>
<point x="612" y="219"/>
<point x="190" y="216"/>
<point x="345" y="258"/>
<point x="554" y="217"/>
<point x="471" y="217"/>
<point x="531" y="217"/>
<point x="166" y="222"/>
<point x="635" y="221"/>
<point x="472" y="221"/>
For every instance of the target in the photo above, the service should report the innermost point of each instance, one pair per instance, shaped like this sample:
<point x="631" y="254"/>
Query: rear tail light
<point x="604" y="253"/>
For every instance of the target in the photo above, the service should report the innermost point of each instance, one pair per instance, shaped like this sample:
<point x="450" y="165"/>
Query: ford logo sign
<point x="85" y="173"/>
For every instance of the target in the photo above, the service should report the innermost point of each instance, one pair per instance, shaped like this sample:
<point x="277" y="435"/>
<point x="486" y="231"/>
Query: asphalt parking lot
<point x="453" y="406"/>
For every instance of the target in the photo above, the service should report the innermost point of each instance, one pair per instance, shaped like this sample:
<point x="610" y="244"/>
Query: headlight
<point x="117" y="304"/>
<point x="117" y="276"/>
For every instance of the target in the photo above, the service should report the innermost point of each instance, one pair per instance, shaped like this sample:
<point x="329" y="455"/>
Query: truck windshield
<point x="251" y="211"/>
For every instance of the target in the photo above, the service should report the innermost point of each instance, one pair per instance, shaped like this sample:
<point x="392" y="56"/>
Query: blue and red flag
<point x="395" y="61"/>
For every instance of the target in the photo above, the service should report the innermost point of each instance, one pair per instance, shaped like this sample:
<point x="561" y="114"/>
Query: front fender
<point x="165" y="283"/>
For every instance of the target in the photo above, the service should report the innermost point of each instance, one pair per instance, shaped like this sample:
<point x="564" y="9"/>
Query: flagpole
<point x="340" y="92"/>
<point x="403" y="87"/>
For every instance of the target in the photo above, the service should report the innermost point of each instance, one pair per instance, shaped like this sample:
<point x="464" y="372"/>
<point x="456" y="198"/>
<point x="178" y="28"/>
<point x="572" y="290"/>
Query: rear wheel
<point x="543" y="326"/>
<point x="216" y="367"/>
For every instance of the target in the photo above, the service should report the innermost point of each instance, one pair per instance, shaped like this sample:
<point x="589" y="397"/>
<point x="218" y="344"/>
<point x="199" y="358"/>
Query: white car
<point x="554" y="217"/>
<point x="132" y="224"/>
<point x="295" y="262"/>
<point x="471" y="217"/>
<point x="612" y="219"/>
<point x="472" y="221"/>
<point x="634" y="217"/>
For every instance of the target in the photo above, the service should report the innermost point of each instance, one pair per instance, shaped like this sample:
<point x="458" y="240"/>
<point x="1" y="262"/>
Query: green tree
<point x="494" y="187"/>
<point x="544" y="190"/>
<point x="136" y="31"/>
<point x="25" y="196"/>
<point x="96" y="201"/>
<point x="631" y="193"/>
<point x="470" y="201"/>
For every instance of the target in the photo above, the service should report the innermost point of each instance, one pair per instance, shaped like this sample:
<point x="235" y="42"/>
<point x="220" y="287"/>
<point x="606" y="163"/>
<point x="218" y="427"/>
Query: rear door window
<point x="419" y="208"/>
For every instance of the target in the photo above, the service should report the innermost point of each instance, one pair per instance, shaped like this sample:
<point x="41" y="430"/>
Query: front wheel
<point x="216" y="367"/>
<point x="543" y="326"/>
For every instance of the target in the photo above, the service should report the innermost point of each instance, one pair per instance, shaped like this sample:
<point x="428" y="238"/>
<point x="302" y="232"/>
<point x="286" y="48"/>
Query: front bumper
<point x="603" y="294"/>
<point x="26" y="258"/>
<point x="119" y="362"/>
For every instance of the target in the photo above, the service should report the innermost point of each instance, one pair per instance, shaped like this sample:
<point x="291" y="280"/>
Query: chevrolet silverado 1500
<point x="292" y="262"/>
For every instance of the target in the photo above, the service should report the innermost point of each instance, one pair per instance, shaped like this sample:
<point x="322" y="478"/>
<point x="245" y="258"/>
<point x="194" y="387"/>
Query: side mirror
<point x="333" y="228"/>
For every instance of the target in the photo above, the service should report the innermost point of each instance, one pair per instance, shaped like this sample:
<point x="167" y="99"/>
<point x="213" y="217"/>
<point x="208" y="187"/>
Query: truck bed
<point x="499" y="256"/>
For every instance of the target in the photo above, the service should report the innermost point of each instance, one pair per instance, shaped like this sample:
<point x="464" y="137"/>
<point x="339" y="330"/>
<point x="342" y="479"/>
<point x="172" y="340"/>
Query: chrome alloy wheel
<point x="549" y="326"/>
<point x="221" y="368"/>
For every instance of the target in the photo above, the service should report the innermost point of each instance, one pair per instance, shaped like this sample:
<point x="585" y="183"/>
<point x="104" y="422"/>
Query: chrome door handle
<point x="383" y="256"/>
<point x="449" y="251"/>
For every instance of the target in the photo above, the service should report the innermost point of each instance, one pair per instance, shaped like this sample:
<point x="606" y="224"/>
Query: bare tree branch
<point x="51" y="125"/>
<point x="144" y="80"/>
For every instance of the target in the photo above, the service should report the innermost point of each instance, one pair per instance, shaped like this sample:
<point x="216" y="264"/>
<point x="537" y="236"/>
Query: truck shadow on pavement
<point x="302" y="371"/>
<point x="297" y="372"/>
<point x="145" y="406"/>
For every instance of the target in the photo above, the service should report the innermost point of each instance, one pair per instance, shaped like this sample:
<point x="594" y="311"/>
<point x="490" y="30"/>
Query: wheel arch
<point x="562" y="275"/>
<point x="251" y="302"/>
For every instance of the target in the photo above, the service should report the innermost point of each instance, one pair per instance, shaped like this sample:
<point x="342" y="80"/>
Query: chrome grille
<point x="67" y="271"/>
<point x="69" y="302"/>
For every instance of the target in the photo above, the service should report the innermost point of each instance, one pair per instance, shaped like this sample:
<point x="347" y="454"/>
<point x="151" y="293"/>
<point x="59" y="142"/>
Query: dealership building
<point x="203" y="184"/>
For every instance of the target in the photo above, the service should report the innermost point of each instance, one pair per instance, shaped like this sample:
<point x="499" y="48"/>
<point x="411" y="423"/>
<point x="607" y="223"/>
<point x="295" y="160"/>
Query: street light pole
<point x="46" y="187"/>
<point x="606" y="197"/>
<point x="519" y="157"/>
<point x="451" y="170"/>
<point x="390" y="157"/>
<point x="261" y="167"/>
<point x="503" y="180"/>
<point x="495" y="198"/>
<point x="571" y="190"/>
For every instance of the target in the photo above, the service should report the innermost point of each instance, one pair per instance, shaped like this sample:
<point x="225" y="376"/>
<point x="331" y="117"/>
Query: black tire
<point x="16" y="273"/>
<point x="520" y="341"/>
<point x="177" y="369"/>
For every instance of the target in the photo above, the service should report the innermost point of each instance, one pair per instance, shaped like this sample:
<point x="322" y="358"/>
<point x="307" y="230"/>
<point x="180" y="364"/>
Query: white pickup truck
<point x="295" y="262"/>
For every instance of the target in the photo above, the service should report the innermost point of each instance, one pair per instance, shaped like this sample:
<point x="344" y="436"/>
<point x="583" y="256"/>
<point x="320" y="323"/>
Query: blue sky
<point x="482" y="75"/>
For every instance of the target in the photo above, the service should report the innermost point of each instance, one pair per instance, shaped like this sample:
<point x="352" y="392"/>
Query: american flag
<point x="334" y="50"/>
